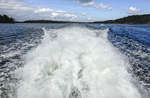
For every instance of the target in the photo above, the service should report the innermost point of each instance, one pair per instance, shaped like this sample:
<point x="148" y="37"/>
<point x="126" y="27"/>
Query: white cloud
<point x="133" y="10"/>
<point x="48" y="10"/>
<point x="43" y="10"/>
<point x="70" y="15"/>
<point x="55" y="13"/>
<point x="90" y="19"/>
<point x="102" y="6"/>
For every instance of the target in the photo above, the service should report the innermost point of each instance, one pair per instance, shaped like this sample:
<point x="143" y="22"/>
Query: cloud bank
<point x="55" y="13"/>
<point x="26" y="12"/>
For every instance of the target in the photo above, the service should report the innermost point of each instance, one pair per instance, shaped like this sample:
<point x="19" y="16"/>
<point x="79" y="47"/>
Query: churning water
<point x="76" y="61"/>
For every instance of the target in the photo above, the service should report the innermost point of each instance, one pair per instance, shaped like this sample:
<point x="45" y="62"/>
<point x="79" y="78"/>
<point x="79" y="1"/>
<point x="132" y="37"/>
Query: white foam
<point x="75" y="58"/>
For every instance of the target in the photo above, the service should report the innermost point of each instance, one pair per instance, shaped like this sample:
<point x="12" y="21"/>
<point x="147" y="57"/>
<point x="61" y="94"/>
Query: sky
<point x="73" y="10"/>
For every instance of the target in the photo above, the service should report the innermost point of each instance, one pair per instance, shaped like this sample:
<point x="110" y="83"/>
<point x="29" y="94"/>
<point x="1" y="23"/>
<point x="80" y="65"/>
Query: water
<point x="74" y="61"/>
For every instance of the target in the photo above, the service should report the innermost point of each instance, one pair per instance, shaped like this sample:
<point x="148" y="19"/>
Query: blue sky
<point x="73" y="10"/>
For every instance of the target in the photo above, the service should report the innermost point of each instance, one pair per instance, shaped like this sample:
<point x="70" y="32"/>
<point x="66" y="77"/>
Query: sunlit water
<point x="74" y="61"/>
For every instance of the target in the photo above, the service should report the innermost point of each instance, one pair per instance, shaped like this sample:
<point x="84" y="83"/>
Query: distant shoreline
<point x="134" y="19"/>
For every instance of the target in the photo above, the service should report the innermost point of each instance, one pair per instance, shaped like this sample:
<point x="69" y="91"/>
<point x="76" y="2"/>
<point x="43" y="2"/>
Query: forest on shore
<point x="6" y="19"/>
<point x="134" y="19"/>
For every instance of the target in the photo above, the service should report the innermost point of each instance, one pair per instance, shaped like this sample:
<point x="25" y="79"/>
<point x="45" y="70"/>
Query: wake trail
<point x="75" y="62"/>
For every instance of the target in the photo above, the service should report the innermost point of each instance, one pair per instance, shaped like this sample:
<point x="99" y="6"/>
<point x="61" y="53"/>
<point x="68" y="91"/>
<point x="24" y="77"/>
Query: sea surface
<point x="74" y="61"/>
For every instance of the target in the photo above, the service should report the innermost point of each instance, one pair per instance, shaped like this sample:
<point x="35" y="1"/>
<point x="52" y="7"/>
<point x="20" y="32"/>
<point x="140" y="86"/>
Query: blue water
<point x="17" y="40"/>
<point x="134" y="41"/>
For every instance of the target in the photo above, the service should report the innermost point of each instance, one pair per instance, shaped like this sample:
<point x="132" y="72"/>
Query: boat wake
<point x="75" y="62"/>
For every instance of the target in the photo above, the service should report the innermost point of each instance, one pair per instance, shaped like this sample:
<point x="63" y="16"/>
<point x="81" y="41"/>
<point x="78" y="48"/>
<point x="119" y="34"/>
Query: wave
<point x="75" y="62"/>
